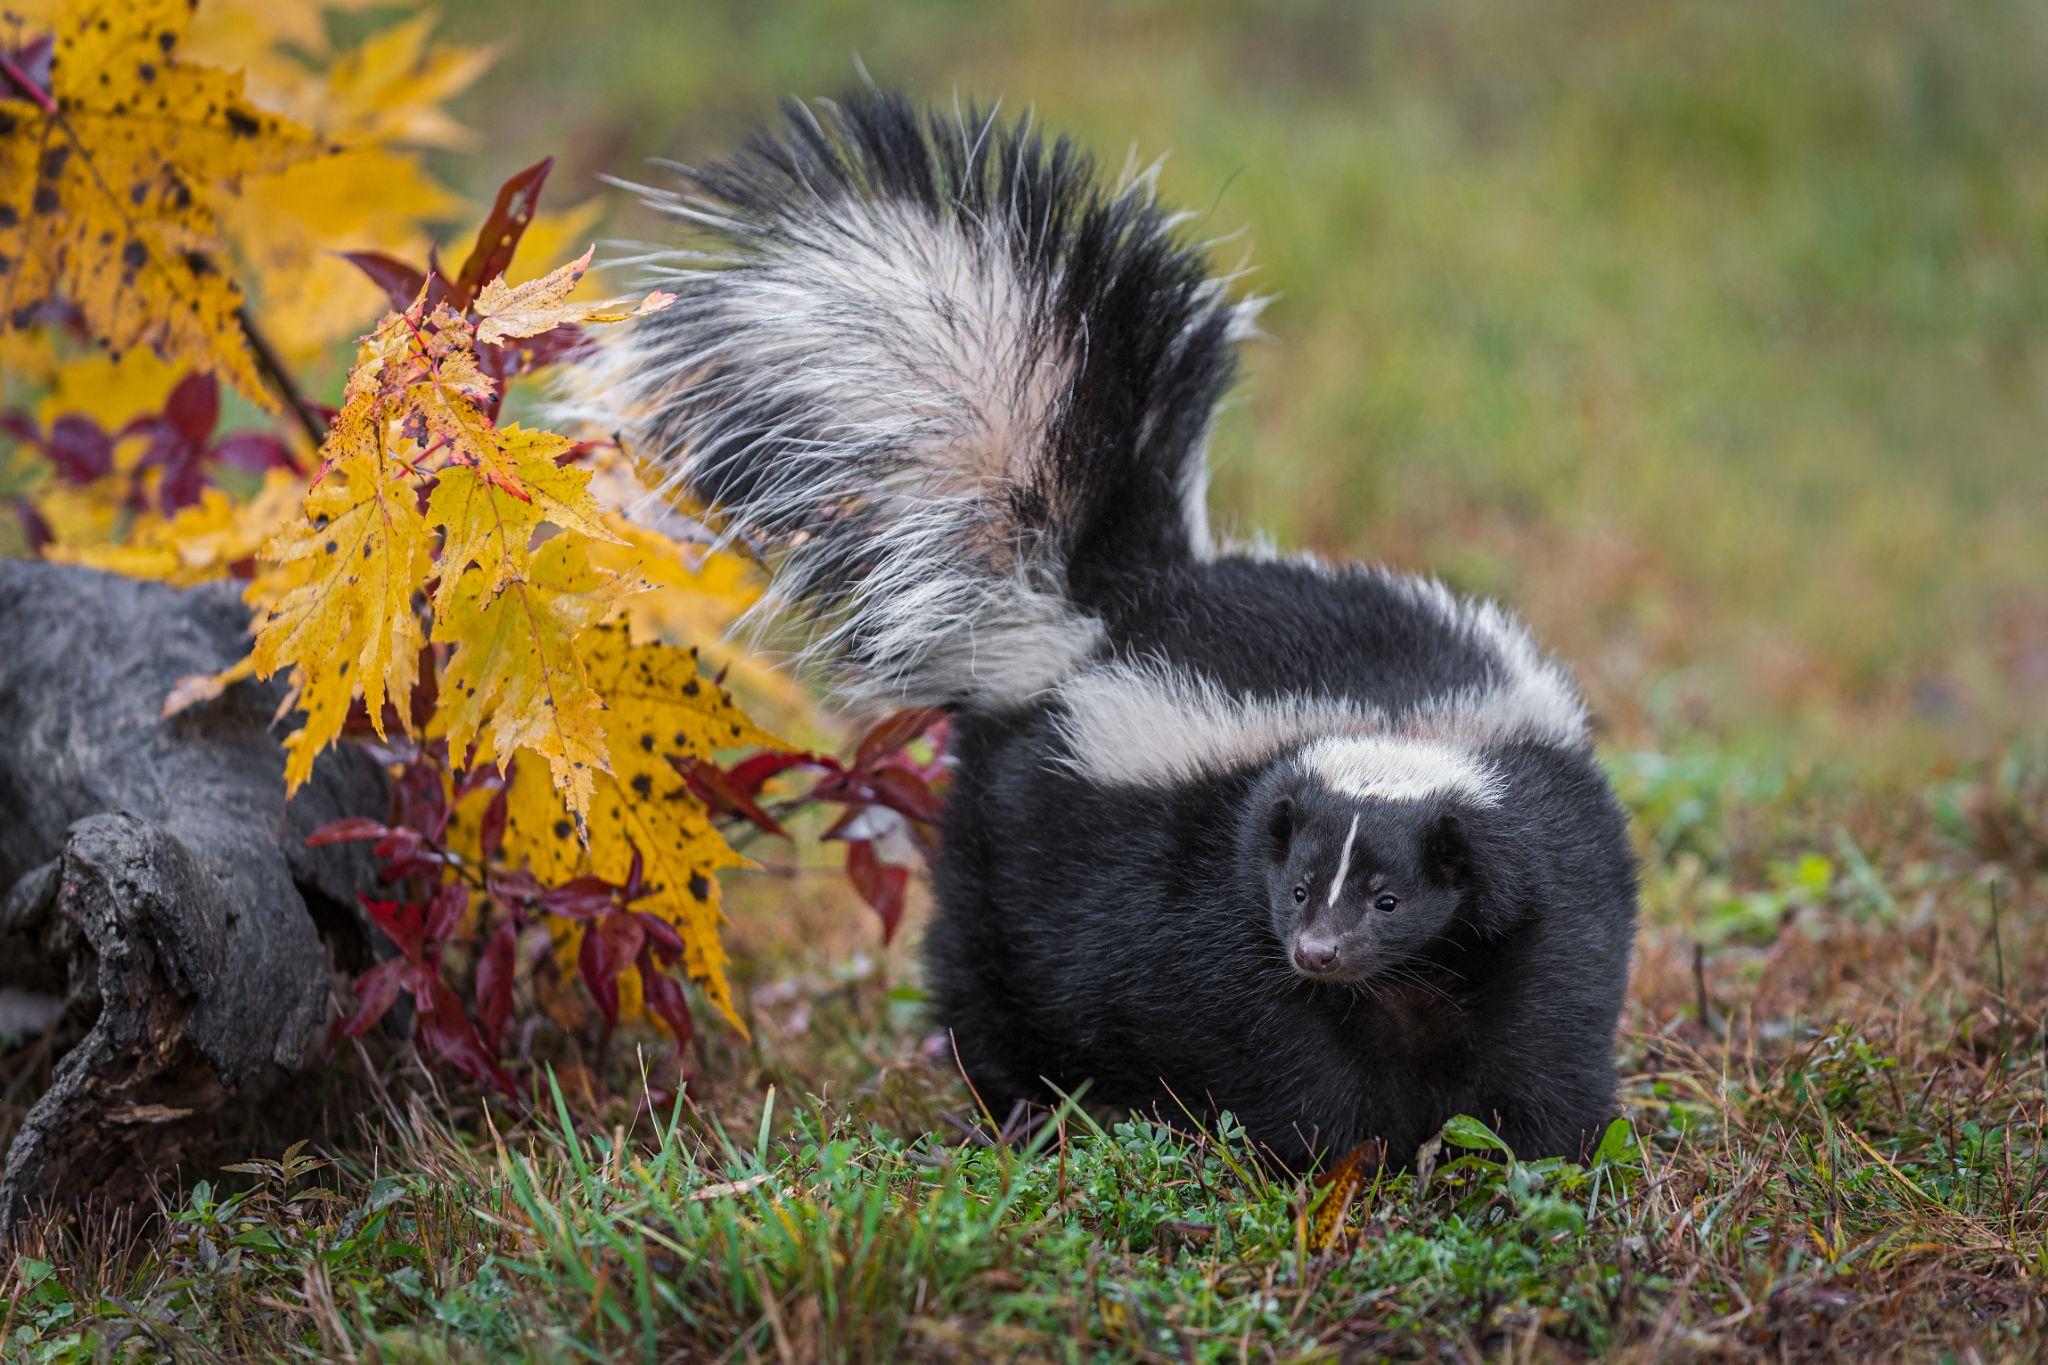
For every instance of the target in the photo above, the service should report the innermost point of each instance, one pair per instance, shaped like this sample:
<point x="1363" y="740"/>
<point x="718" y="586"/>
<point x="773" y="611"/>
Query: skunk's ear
<point x="1491" y="881"/>
<point x="1280" y="829"/>
<point x="1447" y="851"/>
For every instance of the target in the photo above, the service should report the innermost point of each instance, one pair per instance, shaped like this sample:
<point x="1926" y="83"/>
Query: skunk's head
<point x="1368" y="853"/>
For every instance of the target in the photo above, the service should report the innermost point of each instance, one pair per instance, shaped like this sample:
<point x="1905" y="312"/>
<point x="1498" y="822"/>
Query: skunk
<point x="1320" y="845"/>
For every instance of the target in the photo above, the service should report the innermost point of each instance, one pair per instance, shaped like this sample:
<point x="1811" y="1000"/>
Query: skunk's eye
<point x="1386" y="902"/>
<point x="1300" y="892"/>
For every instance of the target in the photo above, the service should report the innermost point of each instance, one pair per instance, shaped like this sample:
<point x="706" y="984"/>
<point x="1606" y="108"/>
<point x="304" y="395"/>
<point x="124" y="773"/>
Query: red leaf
<point x="551" y="347"/>
<point x="893" y="732"/>
<point x="401" y="868"/>
<point x="582" y="899"/>
<point x="752" y="773"/>
<point x="609" y="947"/>
<point x="404" y="924"/>
<point x="491" y="829"/>
<point x="33" y="527"/>
<point x="902" y="790"/>
<point x="526" y="354"/>
<point x="194" y="407"/>
<point x="397" y="844"/>
<point x="252" y="453"/>
<point x="880" y="884"/>
<point x="446" y="1031"/>
<point x="353" y="828"/>
<point x="400" y="282"/>
<point x="665" y="997"/>
<point x="499" y="236"/>
<point x="494" y="970"/>
<point x="375" y="990"/>
<point x="661" y="935"/>
<point x="422" y="800"/>
<point x="80" y="448"/>
<point x="426" y="694"/>
<point x="444" y="912"/>
<point x="514" y="886"/>
<point x="716" y="789"/>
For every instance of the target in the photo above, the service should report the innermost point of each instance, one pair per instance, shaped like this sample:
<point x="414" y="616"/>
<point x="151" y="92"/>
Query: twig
<point x="34" y="93"/>
<point x="279" y="378"/>
<point x="2004" y="1000"/>
<point x="1699" y="985"/>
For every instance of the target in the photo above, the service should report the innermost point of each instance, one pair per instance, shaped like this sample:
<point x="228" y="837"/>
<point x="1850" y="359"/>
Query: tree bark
<point x="154" y="884"/>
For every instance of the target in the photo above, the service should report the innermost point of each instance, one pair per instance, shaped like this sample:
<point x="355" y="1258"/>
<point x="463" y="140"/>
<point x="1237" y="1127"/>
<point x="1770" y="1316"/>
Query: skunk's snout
<point x="1314" y="954"/>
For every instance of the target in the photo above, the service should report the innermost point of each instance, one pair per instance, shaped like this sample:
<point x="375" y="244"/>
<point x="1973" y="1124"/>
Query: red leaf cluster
<point x="883" y="791"/>
<point x="496" y="242"/>
<point x="443" y="1028"/>
<point x="184" y="451"/>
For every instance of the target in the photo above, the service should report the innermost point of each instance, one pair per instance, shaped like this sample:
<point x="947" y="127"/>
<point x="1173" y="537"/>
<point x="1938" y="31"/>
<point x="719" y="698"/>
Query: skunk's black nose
<point x="1315" y="954"/>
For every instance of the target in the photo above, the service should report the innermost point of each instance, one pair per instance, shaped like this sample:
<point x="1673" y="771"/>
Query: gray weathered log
<point x="153" y="878"/>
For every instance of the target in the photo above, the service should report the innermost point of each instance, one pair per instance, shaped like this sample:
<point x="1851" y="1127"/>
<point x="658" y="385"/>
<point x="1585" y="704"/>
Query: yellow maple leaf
<point x="291" y="227"/>
<point x="509" y="311"/>
<point x="200" y="542"/>
<point x="420" y="369"/>
<point x="514" y="679"/>
<point x="490" y="528"/>
<point x="109" y="391"/>
<point x="383" y="94"/>
<point x="661" y="702"/>
<point x="256" y="36"/>
<point x="111" y="178"/>
<point x="658" y="703"/>
<point x="695" y="595"/>
<point x="391" y="86"/>
<point x="337" y="596"/>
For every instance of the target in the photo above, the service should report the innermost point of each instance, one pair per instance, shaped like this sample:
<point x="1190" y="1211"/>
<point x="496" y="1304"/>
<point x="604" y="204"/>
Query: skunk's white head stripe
<point x="1397" y="768"/>
<point x="1343" y="863"/>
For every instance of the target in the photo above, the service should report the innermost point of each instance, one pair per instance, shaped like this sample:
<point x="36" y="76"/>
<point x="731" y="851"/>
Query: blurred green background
<point x="1711" y="335"/>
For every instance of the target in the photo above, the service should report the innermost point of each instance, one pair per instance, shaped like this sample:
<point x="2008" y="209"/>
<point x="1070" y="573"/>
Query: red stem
<point x="36" y="94"/>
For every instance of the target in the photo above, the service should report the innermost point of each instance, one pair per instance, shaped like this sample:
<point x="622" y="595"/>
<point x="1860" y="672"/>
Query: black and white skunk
<point x="1321" y="845"/>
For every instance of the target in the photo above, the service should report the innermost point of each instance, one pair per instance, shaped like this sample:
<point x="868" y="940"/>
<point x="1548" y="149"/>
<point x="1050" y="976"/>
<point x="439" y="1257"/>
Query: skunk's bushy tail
<point x="948" y="383"/>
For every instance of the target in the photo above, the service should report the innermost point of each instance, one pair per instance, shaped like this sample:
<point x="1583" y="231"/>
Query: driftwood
<point x="156" y="900"/>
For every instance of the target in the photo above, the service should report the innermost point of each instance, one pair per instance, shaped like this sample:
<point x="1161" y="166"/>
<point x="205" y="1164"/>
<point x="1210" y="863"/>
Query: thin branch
<point x="280" y="378"/>
<point x="30" y="90"/>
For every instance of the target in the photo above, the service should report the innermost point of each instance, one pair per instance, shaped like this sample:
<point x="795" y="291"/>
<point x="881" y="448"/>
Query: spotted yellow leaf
<point x="697" y="594"/>
<point x="110" y="179"/>
<point x="510" y="311"/>
<point x="337" y="595"/>
<point x="514" y="680"/>
<point x="658" y="703"/>
<point x="489" y="525"/>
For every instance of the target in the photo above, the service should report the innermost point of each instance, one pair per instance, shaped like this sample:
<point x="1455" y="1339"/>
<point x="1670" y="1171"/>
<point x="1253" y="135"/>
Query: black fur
<point x="1132" y="940"/>
<point x="1172" y="941"/>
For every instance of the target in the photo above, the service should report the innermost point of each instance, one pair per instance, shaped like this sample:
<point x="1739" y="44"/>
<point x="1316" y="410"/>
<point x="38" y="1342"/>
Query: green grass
<point x="1835" y="1070"/>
